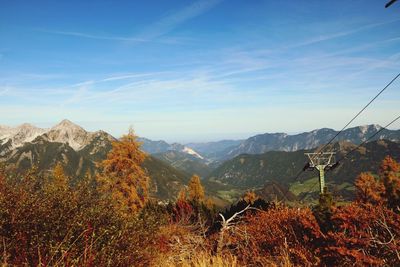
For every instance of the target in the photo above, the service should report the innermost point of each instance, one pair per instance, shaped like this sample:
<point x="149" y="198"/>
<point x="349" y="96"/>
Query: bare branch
<point x="227" y="224"/>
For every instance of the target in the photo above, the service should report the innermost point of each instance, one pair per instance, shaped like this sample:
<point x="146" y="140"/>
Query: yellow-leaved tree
<point x="195" y="189"/>
<point x="123" y="177"/>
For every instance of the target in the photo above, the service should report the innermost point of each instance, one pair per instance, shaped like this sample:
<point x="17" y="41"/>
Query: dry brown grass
<point x="204" y="260"/>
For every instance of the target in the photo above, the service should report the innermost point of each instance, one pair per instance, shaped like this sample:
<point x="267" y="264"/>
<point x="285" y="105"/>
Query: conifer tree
<point x="123" y="176"/>
<point x="196" y="190"/>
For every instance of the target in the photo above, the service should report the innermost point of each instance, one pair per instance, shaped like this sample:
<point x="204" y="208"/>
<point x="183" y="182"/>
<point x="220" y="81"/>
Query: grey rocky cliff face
<point x="64" y="132"/>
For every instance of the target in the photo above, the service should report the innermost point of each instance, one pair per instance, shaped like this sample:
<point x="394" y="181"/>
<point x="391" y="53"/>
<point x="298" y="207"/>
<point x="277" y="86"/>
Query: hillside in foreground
<point x="106" y="220"/>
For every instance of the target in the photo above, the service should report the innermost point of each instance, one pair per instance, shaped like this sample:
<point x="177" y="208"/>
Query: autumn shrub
<point x="181" y="211"/>
<point x="192" y="205"/>
<point x="273" y="236"/>
<point x="58" y="226"/>
<point x="367" y="231"/>
<point x="369" y="189"/>
<point x="389" y="173"/>
<point x="383" y="189"/>
<point x="363" y="235"/>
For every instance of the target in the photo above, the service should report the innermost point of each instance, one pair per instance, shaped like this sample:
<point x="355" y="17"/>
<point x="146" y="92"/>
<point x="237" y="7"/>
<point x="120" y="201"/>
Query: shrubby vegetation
<point x="108" y="220"/>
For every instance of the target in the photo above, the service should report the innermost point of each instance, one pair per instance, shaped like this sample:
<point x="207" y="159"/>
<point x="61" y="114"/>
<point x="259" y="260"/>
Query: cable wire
<point x="372" y="136"/>
<point x="351" y="151"/>
<point x="358" y="114"/>
<point x="337" y="134"/>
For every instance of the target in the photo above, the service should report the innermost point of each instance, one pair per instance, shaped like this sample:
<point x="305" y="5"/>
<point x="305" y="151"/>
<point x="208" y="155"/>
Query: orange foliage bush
<point x="266" y="236"/>
<point x="368" y="189"/>
<point x="389" y="173"/>
<point x="45" y="224"/>
<point x="363" y="234"/>
<point x="384" y="190"/>
<point x="182" y="211"/>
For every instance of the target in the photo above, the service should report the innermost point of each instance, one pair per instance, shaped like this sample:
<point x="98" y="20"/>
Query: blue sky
<point x="198" y="70"/>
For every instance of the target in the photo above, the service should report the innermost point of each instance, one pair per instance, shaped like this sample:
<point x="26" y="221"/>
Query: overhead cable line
<point x="372" y="136"/>
<point x="388" y="4"/>
<point x="358" y="114"/>
<point x="350" y="152"/>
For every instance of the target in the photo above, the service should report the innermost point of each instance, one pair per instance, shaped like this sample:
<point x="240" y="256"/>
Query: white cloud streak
<point x="157" y="29"/>
<point x="171" y="21"/>
<point x="331" y="36"/>
<point x="93" y="36"/>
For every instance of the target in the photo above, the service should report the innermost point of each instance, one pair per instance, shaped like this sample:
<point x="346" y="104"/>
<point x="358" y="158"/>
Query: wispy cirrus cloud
<point x="93" y="36"/>
<point x="335" y="35"/>
<point x="117" y="77"/>
<point x="221" y="81"/>
<point x="151" y="32"/>
<point x="174" y="19"/>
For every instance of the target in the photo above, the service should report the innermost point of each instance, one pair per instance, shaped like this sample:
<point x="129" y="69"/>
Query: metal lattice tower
<point x="321" y="162"/>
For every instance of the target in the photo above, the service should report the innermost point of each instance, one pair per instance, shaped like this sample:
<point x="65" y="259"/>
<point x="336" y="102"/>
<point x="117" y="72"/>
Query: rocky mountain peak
<point x="67" y="125"/>
<point x="26" y="126"/>
<point x="69" y="132"/>
<point x="369" y="128"/>
<point x="19" y="135"/>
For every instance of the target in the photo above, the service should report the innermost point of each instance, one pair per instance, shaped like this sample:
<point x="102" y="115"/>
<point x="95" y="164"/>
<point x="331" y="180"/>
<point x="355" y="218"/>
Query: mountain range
<point x="280" y="167"/>
<point x="210" y="155"/>
<point x="79" y="151"/>
<point x="283" y="142"/>
<point x="219" y="151"/>
<point x="64" y="132"/>
<point x="266" y="162"/>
